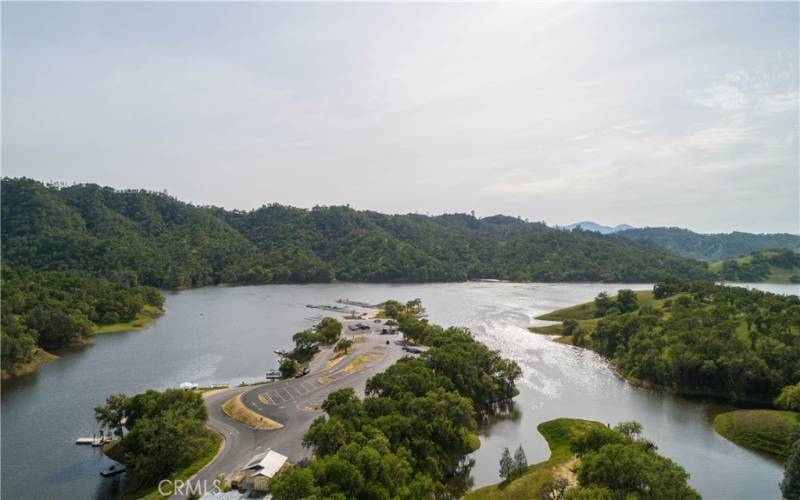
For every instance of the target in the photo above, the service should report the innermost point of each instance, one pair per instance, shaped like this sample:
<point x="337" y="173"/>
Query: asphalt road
<point x="293" y="402"/>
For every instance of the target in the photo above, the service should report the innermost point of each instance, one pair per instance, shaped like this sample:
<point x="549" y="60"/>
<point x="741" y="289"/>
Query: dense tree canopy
<point x="710" y="247"/>
<point x="166" y="432"/>
<point x="618" y="463"/>
<point x="140" y="237"/>
<point x="409" y="437"/>
<point x="707" y="339"/>
<point x="54" y="309"/>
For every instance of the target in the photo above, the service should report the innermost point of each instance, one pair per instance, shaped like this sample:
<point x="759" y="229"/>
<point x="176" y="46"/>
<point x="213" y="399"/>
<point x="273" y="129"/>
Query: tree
<point x="113" y="412"/>
<point x="343" y="345"/>
<point x="506" y="465"/>
<point x="294" y="484"/>
<point x="789" y="398"/>
<point x="790" y="486"/>
<point x="305" y="341"/>
<point x="167" y="431"/>
<point x="569" y="327"/>
<point x="520" y="462"/>
<point x="632" y="429"/>
<point x="288" y="368"/>
<point x="602" y="303"/>
<point x="627" y="301"/>
<point x="554" y="489"/>
<point x="329" y="330"/>
<point x="630" y="471"/>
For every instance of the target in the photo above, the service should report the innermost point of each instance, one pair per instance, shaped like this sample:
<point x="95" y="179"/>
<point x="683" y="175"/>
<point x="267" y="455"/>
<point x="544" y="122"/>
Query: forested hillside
<point x="139" y="237"/>
<point x="694" y="337"/>
<point x="54" y="309"/>
<point x="710" y="247"/>
<point x="777" y="266"/>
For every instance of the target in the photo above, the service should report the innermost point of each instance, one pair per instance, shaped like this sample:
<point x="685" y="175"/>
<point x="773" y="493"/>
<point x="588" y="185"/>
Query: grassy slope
<point x="558" y="434"/>
<point x="776" y="274"/>
<point x="768" y="431"/>
<point x="148" y="315"/>
<point x="584" y="314"/>
<point x="39" y="357"/>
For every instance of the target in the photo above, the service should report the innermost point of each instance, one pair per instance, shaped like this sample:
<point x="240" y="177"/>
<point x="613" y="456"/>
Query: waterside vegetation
<point x="694" y="338"/>
<point x="590" y="461"/>
<point x="43" y="311"/>
<point x="410" y="436"/>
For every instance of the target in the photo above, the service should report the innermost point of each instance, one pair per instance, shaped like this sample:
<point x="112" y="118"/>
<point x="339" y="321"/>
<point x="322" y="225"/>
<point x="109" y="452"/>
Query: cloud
<point x="545" y="111"/>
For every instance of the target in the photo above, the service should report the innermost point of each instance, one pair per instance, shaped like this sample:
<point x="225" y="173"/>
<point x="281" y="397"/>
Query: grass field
<point x="558" y="433"/>
<point x="148" y="315"/>
<point x="768" y="431"/>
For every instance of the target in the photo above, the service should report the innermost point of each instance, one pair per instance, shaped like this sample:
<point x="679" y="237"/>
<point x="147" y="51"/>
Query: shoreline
<point x="142" y="321"/>
<point x="579" y="312"/>
<point x="18" y="369"/>
<point x="146" y="317"/>
<point x="645" y="384"/>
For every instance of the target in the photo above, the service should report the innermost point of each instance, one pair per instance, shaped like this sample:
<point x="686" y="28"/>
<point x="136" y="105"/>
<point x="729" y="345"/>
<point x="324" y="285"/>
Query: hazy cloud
<point x="648" y="114"/>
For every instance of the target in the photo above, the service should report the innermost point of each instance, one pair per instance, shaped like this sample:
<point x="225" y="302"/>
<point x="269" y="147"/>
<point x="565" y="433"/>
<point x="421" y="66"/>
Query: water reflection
<point x="217" y="335"/>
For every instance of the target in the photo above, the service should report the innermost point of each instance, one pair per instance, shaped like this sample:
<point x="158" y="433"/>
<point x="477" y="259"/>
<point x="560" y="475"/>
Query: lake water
<point x="227" y="335"/>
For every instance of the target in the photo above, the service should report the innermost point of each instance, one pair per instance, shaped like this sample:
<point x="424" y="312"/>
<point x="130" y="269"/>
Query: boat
<point x="114" y="470"/>
<point x="281" y="352"/>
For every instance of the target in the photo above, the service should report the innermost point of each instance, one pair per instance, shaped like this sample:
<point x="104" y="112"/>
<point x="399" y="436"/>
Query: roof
<point x="267" y="463"/>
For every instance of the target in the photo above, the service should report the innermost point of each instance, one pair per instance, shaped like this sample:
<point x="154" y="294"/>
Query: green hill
<point x="710" y="247"/>
<point x="694" y="338"/>
<point x="141" y="237"/>
<point x="774" y="266"/>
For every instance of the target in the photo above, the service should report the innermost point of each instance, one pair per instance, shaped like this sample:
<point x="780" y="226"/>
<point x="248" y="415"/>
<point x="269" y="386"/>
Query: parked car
<point x="302" y="373"/>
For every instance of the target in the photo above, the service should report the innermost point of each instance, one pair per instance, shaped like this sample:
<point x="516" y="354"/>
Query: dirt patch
<point x="39" y="358"/>
<point x="360" y="363"/>
<point x="334" y="360"/>
<point x="567" y="471"/>
<point x="236" y="409"/>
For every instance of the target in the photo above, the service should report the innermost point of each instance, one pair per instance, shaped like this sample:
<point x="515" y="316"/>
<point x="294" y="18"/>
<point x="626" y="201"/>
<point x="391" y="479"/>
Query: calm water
<point x="227" y="335"/>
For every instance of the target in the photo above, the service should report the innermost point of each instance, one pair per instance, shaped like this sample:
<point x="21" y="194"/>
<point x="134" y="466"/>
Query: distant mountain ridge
<point x="598" y="228"/>
<point x="710" y="247"/>
<point x="144" y="237"/>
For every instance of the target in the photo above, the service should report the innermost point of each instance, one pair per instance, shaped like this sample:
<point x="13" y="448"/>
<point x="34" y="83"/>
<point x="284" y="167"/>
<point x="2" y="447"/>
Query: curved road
<point x="293" y="402"/>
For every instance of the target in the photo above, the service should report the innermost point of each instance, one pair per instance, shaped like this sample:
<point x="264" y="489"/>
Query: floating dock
<point x="113" y="470"/>
<point x="94" y="441"/>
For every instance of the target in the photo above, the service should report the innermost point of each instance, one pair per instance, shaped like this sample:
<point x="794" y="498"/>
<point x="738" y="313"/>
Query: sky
<point x="651" y="114"/>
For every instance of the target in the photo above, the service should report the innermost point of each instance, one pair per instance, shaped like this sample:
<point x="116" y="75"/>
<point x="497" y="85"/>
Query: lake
<point x="227" y="335"/>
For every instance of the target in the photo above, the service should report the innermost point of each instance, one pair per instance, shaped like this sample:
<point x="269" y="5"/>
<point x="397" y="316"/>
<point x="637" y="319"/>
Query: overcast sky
<point x="647" y="114"/>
